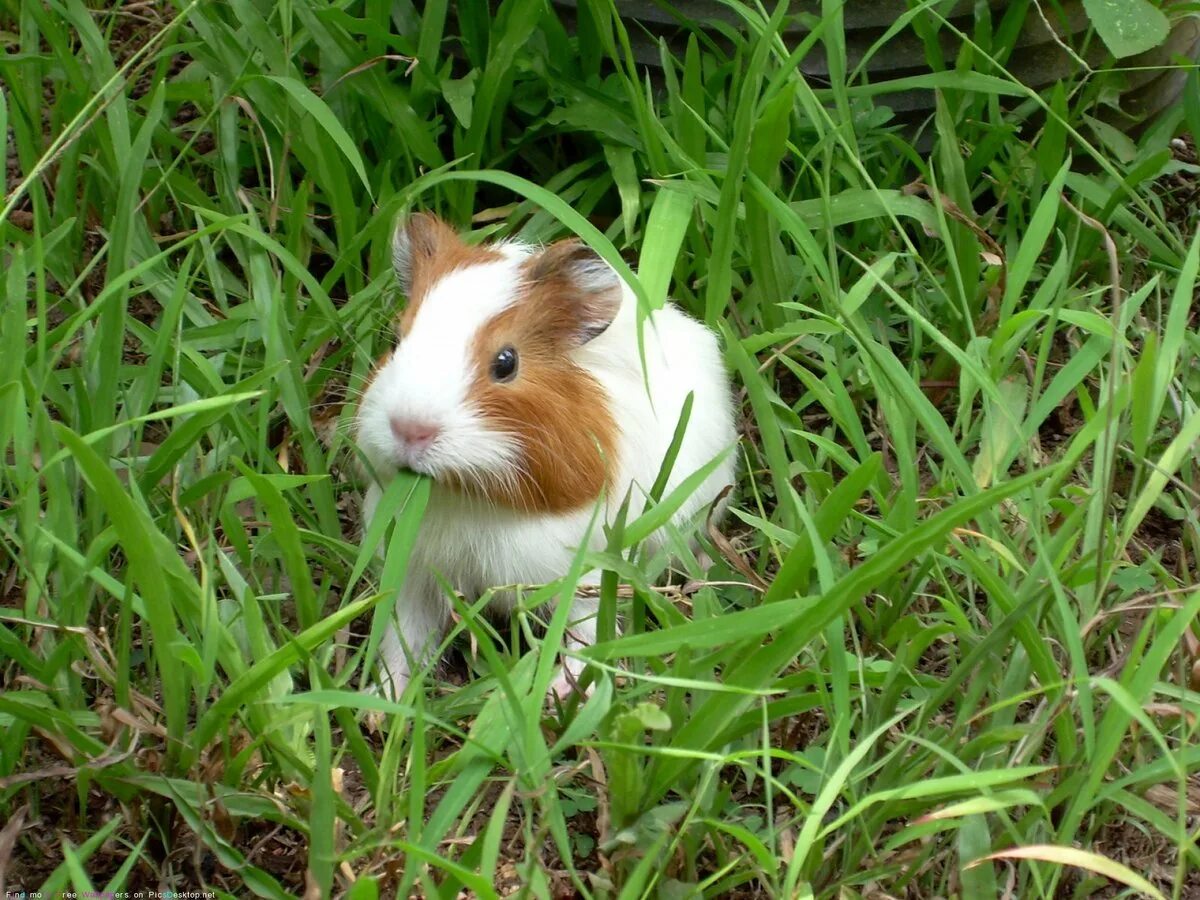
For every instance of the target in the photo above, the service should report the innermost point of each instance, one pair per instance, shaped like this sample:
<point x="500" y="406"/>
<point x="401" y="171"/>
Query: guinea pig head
<point x="484" y="392"/>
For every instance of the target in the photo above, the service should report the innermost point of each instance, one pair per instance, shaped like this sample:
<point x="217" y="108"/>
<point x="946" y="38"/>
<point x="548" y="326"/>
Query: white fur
<point x="477" y="546"/>
<point x="428" y="376"/>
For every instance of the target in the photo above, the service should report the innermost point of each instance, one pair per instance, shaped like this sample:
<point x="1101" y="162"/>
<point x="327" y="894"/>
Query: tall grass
<point x="947" y="647"/>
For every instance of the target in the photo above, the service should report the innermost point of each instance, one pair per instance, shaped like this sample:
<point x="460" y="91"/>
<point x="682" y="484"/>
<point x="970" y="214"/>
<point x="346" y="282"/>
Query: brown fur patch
<point x="564" y="287"/>
<point x="433" y="251"/>
<point x="557" y="411"/>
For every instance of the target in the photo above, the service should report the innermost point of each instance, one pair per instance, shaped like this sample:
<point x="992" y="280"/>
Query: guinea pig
<point x="517" y="386"/>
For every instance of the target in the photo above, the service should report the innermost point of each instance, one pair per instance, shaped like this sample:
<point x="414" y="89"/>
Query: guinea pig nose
<point x="414" y="433"/>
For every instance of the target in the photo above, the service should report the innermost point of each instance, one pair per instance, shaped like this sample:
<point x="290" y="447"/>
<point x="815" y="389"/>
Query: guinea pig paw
<point x="389" y="687"/>
<point x="565" y="684"/>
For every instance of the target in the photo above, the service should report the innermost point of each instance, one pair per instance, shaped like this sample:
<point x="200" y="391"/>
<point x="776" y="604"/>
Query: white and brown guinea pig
<point x="517" y="386"/>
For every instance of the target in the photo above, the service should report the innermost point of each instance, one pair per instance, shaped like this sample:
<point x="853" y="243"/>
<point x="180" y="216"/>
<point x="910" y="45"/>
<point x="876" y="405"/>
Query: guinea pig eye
<point x="504" y="365"/>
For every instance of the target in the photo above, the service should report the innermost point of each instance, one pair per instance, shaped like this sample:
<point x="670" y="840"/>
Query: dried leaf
<point x="8" y="840"/>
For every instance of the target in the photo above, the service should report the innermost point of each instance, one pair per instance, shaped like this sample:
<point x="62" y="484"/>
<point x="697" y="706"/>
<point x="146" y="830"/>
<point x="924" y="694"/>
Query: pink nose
<point x="415" y="434"/>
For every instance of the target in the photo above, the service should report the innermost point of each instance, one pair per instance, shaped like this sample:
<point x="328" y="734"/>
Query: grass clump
<point x="948" y="646"/>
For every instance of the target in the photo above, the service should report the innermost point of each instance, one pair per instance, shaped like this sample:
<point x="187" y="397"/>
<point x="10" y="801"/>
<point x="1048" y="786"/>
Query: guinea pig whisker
<point x="480" y="478"/>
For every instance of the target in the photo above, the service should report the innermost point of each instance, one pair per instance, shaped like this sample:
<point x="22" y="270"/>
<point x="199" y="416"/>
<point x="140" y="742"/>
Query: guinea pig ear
<point x="581" y="284"/>
<point x="415" y="242"/>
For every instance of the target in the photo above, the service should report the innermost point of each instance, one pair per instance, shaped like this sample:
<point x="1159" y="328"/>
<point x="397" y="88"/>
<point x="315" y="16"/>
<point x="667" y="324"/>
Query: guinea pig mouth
<point x="420" y="464"/>
<point x="405" y="463"/>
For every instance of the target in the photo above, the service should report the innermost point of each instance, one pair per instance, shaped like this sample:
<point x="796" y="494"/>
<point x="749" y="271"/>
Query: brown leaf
<point x="8" y="840"/>
<point x="493" y="214"/>
<point x="56" y="743"/>
<point x="1191" y="646"/>
<point x="137" y="723"/>
<point x="1167" y="798"/>
<point x="374" y="61"/>
<point x="284" y="456"/>
<point x="223" y="822"/>
<point x="727" y="549"/>
<point x="100" y="762"/>
<point x="603" y="816"/>
<point x="1170" y="711"/>
<point x="312" y="890"/>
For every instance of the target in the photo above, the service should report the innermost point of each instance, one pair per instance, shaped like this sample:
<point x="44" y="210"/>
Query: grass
<point x="948" y="646"/>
